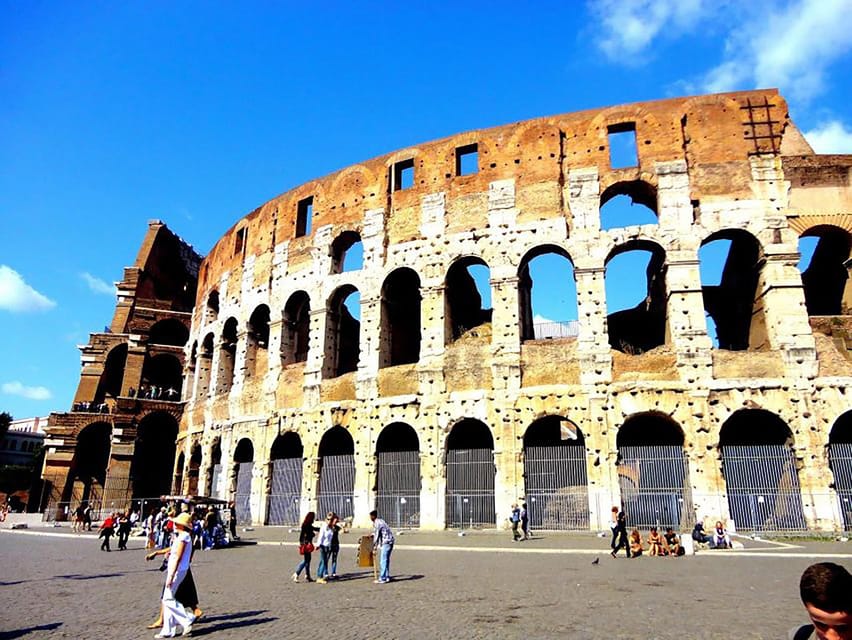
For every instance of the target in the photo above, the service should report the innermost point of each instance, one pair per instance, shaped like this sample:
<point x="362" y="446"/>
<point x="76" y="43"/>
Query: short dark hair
<point x="374" y="513"/>
<point x="827" y="586"/>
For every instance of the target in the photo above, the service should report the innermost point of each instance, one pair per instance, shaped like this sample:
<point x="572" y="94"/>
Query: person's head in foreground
<point x="826" y="590"/>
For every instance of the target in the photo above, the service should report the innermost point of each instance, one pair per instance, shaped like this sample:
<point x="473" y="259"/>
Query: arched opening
<point x="337" y="473"/>
<point x="171" y="332"/>
<point x="154" y="456"/>
<point x="398" y="475"/>
<point x="547" y="295"/>
<point x="653" y="473"/>
<point x="112" y="377"/>
<point x="730" y="268"/>
<point x="215" y="479"/>
<point x="760" y="472"/>
<point x="468" y="297"/>
<point x="626" y="204"/>
<point x="555" y="479"/>
<point x="257" y="342"/>
<point x="840" y="461"/>
<point x="399" y="340"/>
<point x="205" y="365"/>
<point x="347" y="253"/>
<point x="178" y="484"/>
<point x="343" y="328"/>
<point x="87" y="477"/>
<point x="295" y="330"/>
<point x="636" y="297"/>
<point x="241" y="482"/>
<point x="162" y="378"/>
<point x="211" y="309"/>
<point x="193" y="471"/>
<point x="285" y="492"/>
<point x="470" y="475"/>
<point x="825" y="277"/>
<point x="227" y="356"/>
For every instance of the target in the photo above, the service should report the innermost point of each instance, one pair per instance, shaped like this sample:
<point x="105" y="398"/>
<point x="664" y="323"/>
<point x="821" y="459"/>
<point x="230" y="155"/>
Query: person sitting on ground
<point x="673" y="542"/>
<point x="699" y="535"/>
<point x="721" y="539"/>
<point x="656" y="544"/>
<point x="826" y="592"/>
<point x="636" y="543"/>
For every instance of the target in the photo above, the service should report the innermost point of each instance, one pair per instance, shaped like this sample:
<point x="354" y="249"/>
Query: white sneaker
<point x="295" y="577"/>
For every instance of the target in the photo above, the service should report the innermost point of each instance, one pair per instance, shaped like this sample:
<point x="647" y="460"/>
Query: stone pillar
<point x="364" y="495"/>
<point x="276" y="327"/>
<point x="601" y="470"/>
<point x="685" y="323"/>
<point x="318" y="344"/>
<point x="310" y="485"/>
<point x="582" y="192"/>
<point x="506" y="338"/>
<point x="366" y="380"/>
<point x="257" y="503"/>
<point x="704" y="459"/>
<point x="239" y="377"/>
<point x="592" y="339"/>
<point x="265" y="472"/>
<point x="433" y="486"/>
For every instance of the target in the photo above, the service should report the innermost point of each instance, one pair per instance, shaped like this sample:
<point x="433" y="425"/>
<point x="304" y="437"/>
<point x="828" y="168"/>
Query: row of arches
<point x="161" y="370"/>
<point x="653" y="474"/>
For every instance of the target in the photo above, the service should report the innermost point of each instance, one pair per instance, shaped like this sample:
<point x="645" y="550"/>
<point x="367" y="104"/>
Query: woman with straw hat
<point x="180" y="554"/>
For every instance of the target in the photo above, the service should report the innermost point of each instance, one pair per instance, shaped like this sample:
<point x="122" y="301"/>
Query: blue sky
<point x="197" y="112"/>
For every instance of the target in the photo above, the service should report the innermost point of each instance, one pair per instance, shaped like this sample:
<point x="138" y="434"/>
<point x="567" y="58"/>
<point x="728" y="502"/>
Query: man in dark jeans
<point x="232" y="516"/>
<point x="621" y="530"/>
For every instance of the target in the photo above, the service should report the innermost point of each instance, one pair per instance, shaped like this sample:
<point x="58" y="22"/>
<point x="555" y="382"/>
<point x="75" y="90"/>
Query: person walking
<point x="180" y="555"/>
<point x="106" y="531"/>
<point x="232" y="520"/>
<point x="87" y="517"/>
<point x="326" y="533"/>
<point x="383" y="544"/>
<point x="613" y="525"/>
<point x="525" y="521"/>
<point x="124" y="525"/>
<point x="515" y="519"/>
<point x="186" y="593"/>
<point x="621" y="529"/>
<point x="335" y="544"/>
<point x="306" y="546"/>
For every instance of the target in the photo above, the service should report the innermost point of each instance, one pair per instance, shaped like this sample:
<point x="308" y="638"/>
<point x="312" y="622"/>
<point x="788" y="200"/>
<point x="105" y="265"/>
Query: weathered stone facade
<point x="117" y="443"/>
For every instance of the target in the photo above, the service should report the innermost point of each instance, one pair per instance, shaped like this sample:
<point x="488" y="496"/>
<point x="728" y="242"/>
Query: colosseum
<point x="369" y="339"/>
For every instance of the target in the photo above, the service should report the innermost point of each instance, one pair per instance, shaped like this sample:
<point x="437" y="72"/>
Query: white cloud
<point x="830" y="137"/>
<point x="629" y="26"/>
<point x="97" y="285"/>
<point x="540" y="319"/>
<point x="32" y="393"/>
<point x="17" y="295"/>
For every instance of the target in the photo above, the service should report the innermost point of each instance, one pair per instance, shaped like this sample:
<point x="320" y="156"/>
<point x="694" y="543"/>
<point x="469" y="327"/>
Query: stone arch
<point x="617" y="200"/>
<point x="162" y="377"/>
<point x="470" y="472"/>
<point x="285" y="482"/>
<point x="257" y="342"/>
<point x="204" y="367"/>
<point x="760" y="471"/>
<point x="112" y="378"/>
<point x="464" y="308"/>
<point x="227" y="356"/>
<point x="177" y="489"/>
<point x="87" y="475"/>
<point x="398" y="480"/>
<point x="336" y="472"/>
<point x="342" y="348"/>
<point x="555" y="476"/>
<point x="534" y="325"/>
<point x="352" y="186"/>
<point x="826" y="282"/>
<point x="193" y="469"/>
<point x="215" y="476"/>
<point x="154" y="455"/>
<point x="211" y="306"/>
<point x="169" y="331"/>
<point x="399" y="341"/>
<point x="244" y="451"/>
<point x="731" y="305"/>
<point x="241" y="479"/>
<point x="347" y="252"/>
<point x="643" y="327"/>
<point x="840" y="462"/>
<point x="296" y="328"/>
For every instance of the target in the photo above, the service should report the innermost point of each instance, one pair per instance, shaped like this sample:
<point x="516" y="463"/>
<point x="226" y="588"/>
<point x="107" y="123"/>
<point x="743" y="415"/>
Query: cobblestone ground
<point x="479" y="586"/>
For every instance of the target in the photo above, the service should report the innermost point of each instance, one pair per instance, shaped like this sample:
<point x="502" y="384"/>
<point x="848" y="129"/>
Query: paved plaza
<point x="58" y="585"/>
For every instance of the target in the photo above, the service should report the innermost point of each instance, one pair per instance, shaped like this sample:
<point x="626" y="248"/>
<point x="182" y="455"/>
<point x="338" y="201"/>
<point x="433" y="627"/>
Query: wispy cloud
<point x="16" y="295"/>
<point x="97" y="285"/>
<point x="15" y="388"/>
<point x="830" y="137"/>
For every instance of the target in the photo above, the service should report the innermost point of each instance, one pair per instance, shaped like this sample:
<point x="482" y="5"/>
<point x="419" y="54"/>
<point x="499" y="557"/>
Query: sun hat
<point x="184" y="520"/>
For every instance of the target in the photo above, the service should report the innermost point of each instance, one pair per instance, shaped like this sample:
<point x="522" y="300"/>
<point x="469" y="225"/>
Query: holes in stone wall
<point x="635" y="287"/>
<point x="468" y="297"/>
<point x="825" y="253"/>
<point x="547" y="295"/>
<point x="467" y="159"/>
<point x="730" y="270"/>
<point x="400" y="334"/>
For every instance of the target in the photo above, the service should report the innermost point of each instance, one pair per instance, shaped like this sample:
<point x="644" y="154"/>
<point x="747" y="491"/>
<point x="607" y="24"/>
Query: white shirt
<point x="182" y="562"/>
<point x="326" y="533"/>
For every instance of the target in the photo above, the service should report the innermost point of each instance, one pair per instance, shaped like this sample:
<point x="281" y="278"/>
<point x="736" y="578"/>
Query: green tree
<point x="5" y="421"/>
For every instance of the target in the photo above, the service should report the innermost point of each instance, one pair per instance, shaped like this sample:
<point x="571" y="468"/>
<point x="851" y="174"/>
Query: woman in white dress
<point x="174" y="613"/>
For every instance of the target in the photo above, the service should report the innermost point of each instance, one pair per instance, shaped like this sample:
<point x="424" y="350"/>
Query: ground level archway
<point x="470" y="475"/>
<point x="285" y="491"/>
<point x="398" y="475"/>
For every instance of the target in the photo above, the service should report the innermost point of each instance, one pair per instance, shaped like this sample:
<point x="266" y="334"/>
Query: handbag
<point x="307" y="547"/>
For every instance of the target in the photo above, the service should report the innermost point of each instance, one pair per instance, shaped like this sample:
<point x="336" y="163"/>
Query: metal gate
<point x="242" y="497"/>
<point x="470" y="488"/>
<point x="840" y="459"/>
<point x="337" y="486"/>
<point x="557" y="489"/>
<point x="286" y="493"/>
<point x="216" y="490"/>
<point x="398" y="487"/>
<point x="763" y="488"/>
<point x="654" y="484"/>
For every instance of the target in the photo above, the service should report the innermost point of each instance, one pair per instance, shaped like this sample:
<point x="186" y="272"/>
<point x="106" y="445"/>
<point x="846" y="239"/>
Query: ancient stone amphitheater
<point x="369" y="339"/>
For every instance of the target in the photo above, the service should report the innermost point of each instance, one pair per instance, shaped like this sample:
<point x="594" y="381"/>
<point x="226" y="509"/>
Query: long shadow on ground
<point x="20" y="633"/>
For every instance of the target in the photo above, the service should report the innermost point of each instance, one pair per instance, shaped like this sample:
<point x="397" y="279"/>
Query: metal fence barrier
<point x="470" y="488"/>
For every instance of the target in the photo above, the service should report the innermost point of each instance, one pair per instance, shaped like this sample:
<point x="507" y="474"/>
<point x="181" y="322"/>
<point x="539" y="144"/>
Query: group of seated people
<point x="719" y="540"/>
<point x="665" y="544"/>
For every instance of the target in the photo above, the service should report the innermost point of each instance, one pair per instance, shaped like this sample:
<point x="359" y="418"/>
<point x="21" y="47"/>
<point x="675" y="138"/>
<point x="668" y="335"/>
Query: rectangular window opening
<point x="240" y="241"/>
<point x="403" y="174"/>
<point x="467" y="160"/>
<point x="304" y="214"/>
<point x="622" y="145"/>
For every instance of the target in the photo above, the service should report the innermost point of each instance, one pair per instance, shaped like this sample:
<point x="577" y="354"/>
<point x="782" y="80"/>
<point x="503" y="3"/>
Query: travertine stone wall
<point x="540" y="183"/>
